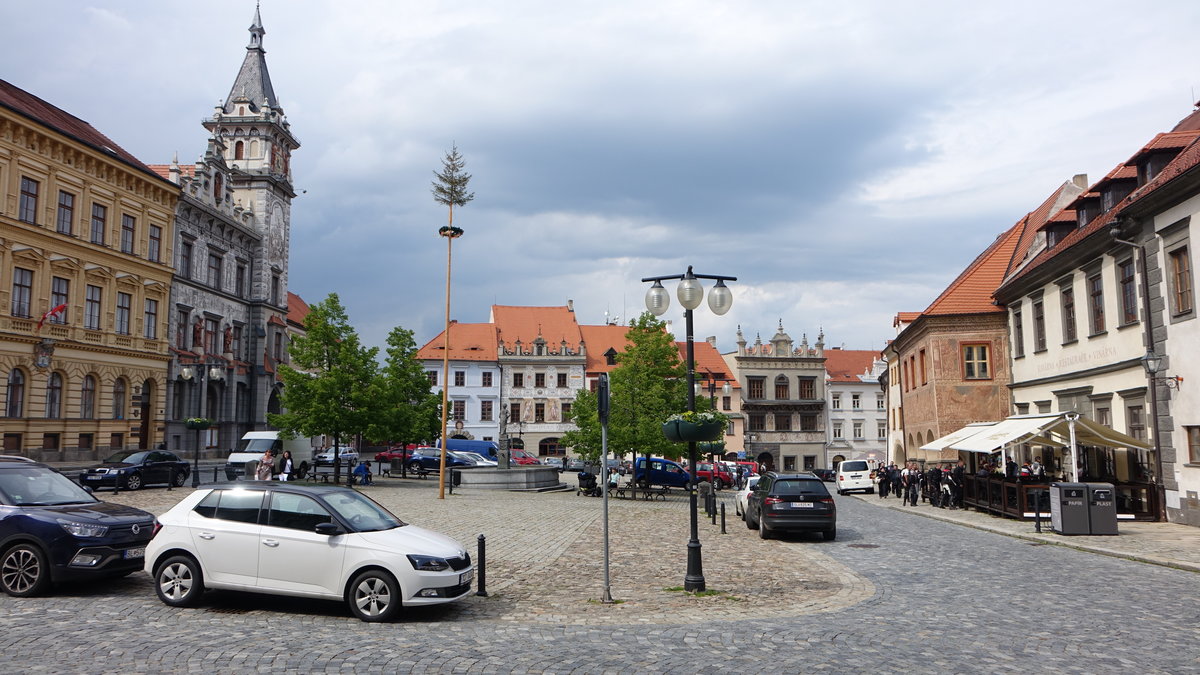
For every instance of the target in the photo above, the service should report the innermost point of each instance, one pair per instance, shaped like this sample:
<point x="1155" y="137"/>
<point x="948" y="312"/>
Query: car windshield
<point x="799" y="487"/>
<point x="39" y="486"/>
<point x="361" y="512"/>
<point x="259" y="445"/>
<point x="854" y="466"/>
<point x="127" y="457"/>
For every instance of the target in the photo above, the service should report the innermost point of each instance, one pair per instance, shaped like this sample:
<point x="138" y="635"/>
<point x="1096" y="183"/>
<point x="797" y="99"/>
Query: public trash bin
<point x="1102" y="508"/>
<point x="1069" y="508"/>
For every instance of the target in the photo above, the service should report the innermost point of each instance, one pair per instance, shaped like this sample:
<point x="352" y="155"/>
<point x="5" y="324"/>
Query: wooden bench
<point x="631" y="491"/>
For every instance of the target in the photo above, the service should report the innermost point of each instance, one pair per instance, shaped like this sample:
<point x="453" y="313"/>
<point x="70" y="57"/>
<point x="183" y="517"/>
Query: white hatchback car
<point x="317" y="542"/>
<point x="744" y="494"/>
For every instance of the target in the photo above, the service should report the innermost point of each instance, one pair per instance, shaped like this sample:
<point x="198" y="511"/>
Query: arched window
<point x="54" y="386"/>
<point x="239" y="150"/>
<point x="781" y="388"/>
<point x="87" y="398"/>
<point x="253" y="149"/>
<point x="15" y="397"/>
<point x="119" y="396"/>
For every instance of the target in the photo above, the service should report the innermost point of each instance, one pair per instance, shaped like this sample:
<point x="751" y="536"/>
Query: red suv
<point x="704" y="471"/>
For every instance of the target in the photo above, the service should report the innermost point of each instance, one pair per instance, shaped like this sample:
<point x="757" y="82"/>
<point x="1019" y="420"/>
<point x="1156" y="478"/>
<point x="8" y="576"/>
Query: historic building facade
<point x="86" y="239"/>
<point x="229" y="305"/>
<point x="857" y="426"/>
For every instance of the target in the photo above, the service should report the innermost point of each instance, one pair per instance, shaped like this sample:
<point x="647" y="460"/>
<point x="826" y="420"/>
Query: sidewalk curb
<point x="1043" y="539"/>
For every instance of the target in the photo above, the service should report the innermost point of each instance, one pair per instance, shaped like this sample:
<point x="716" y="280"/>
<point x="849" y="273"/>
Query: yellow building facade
<point x="85" y="229"/>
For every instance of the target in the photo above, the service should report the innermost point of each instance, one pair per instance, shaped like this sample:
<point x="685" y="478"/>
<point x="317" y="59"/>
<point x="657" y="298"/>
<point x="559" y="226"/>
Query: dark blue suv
<point x="52" y="530"/>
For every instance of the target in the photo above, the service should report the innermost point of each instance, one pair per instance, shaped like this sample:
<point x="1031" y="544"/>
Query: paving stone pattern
<point x="895" y="593"/>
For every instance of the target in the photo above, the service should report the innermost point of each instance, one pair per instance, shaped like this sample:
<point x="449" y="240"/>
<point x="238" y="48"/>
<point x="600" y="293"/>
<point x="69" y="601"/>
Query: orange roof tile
<point x="600" y="339"/>
<point x="554" y="324"/>
<point x="708" y="360"/>
<point x="164" y="170"/>
<point x="468" y="342"/>
<point x="905" y="317"/>
<point x="845" y="365"/>
<point x="297" y="309"/>
<point x="971" y="292"/>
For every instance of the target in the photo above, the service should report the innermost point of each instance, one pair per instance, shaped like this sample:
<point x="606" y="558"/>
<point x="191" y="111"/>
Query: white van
<point x="255" y="443"/>
<point x="854" y="474"/>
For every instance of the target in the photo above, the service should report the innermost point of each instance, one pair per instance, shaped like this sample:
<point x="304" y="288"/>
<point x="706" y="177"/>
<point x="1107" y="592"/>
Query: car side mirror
<point x="328" y="529"/>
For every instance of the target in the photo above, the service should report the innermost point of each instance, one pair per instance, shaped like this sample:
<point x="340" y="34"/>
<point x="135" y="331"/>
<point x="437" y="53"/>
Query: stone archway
<point x="837" y="459"/>
<point x="766" y="461"/>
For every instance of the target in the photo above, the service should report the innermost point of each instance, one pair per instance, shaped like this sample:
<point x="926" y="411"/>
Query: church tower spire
<point x="252" y="88"/>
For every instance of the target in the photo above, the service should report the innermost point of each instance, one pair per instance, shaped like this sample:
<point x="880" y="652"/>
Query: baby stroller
<point x="587" y="485"/>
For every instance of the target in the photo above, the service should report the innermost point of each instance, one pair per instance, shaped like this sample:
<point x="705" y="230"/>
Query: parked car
<point x="308" y="541"/>
<point x="662" y="472"/>
<point x="394" y="455"/>
<point x="474" y="458"/>
<point x="743" y="494"/>
<point x="132" y="470"/>
<point x="430" y="459"/>
<point x="827" y="475"/>
<point x="791" y="502"/>
<point x="555" y="462"/>
<point x="854" y="475"/>
<point x="719" y="475"/>
<point x="52" y="530"/>
<point x="575" y="464"/>
<point x="519" y="456"/>
<point x="345" y="453"/>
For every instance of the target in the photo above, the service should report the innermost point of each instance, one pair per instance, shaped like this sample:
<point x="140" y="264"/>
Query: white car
<point x="315" y="542"/>
<point x="473" y="457"/>
<point x="854" y="475"/>
<point x="347" y="454"/>
<point x="744" y="493"/>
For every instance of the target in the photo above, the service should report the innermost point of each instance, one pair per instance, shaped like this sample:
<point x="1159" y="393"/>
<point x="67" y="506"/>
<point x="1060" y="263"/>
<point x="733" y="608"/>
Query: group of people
<point x="941" y="487"/>
<point x="272" y="468"/>
<point x="1027" y="471"/>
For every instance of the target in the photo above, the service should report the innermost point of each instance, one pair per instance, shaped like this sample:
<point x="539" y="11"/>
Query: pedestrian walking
<point x="911" y="477"/>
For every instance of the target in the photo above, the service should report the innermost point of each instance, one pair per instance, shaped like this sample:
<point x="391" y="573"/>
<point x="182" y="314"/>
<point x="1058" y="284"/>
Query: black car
<point x="430" y="460"/>
<point x="134" y="469"/>
<point x="791" y="502"/>
<point x="52" y="530"/>
<point x="827" y="475"/>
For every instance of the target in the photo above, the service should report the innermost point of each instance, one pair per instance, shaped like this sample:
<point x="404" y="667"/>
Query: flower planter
<point x="197" y="424"/>
<point x="680" y="431"/>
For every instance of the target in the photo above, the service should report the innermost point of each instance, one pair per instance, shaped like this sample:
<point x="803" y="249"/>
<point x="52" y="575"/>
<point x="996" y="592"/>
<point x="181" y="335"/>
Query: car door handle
<point x="270" y="542"/>
<point x="206" y="535"/>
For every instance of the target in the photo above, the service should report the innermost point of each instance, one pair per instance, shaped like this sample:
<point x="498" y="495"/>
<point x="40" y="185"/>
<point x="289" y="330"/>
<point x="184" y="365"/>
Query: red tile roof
<point x="164" y="170"/>
<point x="708" y="360"/>
<point x="27" y="105"/>
<point x="297" y="309"/>
<point x="971" y="292"/>
<point x="846" y="365"/>
<point x="599" y="339"/>
<point x="468" y="342"/>
<point x="905" y="317"/>
<point x="553" y="324"/>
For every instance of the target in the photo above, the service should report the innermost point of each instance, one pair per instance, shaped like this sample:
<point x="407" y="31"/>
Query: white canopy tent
<point x="950" y="439"/>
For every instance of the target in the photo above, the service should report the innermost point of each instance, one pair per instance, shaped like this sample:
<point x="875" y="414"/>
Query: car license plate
<point x="802" y="505"/>
<point x="93" y="477"/>
<point x="466" y="577"/>
<point x="139" y="552"/>
<point x="856" y="475"/>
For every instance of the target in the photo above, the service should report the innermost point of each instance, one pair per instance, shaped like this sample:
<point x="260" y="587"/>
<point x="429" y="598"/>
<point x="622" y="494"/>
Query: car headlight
<point x="428" y="563"/>
<point x="83" y="529"/>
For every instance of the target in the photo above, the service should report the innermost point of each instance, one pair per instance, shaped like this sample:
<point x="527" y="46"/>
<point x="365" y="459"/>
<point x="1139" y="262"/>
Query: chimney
<point x="1080" y="179"/>
<point x="570" y="305"/>
<point x="712" y="340"/>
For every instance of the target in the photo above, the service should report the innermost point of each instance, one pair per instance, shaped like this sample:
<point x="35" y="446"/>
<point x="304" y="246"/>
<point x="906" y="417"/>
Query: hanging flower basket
<point x="197" y="423"/>
<point x="704" y="425"/>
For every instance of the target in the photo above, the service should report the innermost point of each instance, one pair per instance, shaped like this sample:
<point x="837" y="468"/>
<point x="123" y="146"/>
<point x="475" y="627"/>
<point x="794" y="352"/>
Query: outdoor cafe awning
<point x="950" y="439"/>
<point x="1045" y="429"/>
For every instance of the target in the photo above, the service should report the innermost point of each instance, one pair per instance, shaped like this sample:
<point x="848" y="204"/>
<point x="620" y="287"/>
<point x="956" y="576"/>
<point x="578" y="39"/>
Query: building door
<point x="146" y="428"/>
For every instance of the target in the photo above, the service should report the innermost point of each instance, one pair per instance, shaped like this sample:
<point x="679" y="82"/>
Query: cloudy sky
<point x="844" y="162"/>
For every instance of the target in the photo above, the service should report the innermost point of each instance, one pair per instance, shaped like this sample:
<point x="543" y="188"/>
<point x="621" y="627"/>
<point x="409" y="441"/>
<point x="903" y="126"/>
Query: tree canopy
<point x="408" y="410"/>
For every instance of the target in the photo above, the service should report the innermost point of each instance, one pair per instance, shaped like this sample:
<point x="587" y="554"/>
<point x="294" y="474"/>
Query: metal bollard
<point x="215" y="474"/>
<point x="481" y="564"/>
<point x="712" y="509"/>
<point x="723" y="518"/>
<point x="1037" y="511"/>
<point x="170" y="479"/>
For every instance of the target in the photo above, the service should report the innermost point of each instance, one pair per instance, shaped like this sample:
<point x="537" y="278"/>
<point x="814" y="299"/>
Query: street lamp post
<point x="720" y="299"/>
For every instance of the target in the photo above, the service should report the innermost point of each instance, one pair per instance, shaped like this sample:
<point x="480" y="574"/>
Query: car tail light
<point x="841" y="478"/>
<point x="772" y="500"/>
<point x="157" y="527"/>
<point x="825" y="500"/>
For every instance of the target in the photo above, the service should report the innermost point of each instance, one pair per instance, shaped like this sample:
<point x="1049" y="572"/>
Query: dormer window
<point x="1114" y="194"/>
<point x="1153" y="165"/>
<point x="1087" y="211"/>
<point x="610" y="357"/>
<point x="1057" y="232"/>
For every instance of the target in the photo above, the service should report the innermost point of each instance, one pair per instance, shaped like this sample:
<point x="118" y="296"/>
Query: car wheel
<point x="752" y="524"/>
<point x="414" y="467"/>
<point x="719" y="484"/>
<point x="180" y="478"/>
<point x="830" y="535"/>
<point x="763" y="532"/>
<point x="23" y="571"/>
<point x="179" y="582"/>
<point x="870" y="491"/>
<point x="133" y="481"/>
<point x="374" y="596"/>
<point x="841" y="493"/>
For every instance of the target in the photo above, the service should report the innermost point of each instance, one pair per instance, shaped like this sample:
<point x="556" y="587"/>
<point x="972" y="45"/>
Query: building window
<point x="756" y="422"/>
<point x="1128" y="284"/>
<point x="485" y="411"/>
<point x="185" y="260"/>
<point x="91" y="308"/>
<point x="66" y="213"/>
<point x="781" y="388"/>
<point x="837" y="430"/>
<point x="210" y="337"/>
<point x="1068" y="314"/>
<point x="514" y="413"/>
<point x="566" y="410"/>
<point x="837" y="402"/>
<point x="99" y="223"/>
<point x="118" y="402"/>
<point x="54" y="385"/>
<point x="275" y="289"/>
<point x="1136" y="421"/>
<point x="924" y="373"/>
<point x="539" y="412"/>
<point x="881" y="430"/>
<point x="128" y="232"/>
<point x="277" y="351"/>
<point x="235" y="341"/>
<point x="1104" y="415"/>
<point x="783" y="422"/>
<point x="562" y="380"/>
<point x="755" y="388"/>
<point x="1181" y="281"/>
<point x="240" y="281"/>
<point x="87" y="398"/>
<point x="879" y="401"/>
<point x="808" y="423"/>
<point x="1193" y="441"/>
<point x="214" y="270"/>
<point x="150" y="320"/>
<point x="181" y="330"/>
<point x="458" y="410"/>
<point x="856" y="401"/>
<point x="1039" y="326"/>
<point x="1018" y="334"/>
<point x="975" y="362"/>
<point x="433" y="377"/>
<point x="487" y="378"/>
<point x="29" y="199"/>
<point x="518" y="380"/>
<point x="807" y="388"/>
<point x="539" y="380"/>
<point x="460" y="378"/>
<point x="124" y="300"/>
<point x="1096" y="302"/>
<point x="726" y="403"/>
<point x="858" y="431"/>
<point x="22" y="291"/>
<point x="14" y="399"/>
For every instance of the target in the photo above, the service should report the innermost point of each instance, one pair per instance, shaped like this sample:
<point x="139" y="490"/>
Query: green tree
<point x="646" y="386"/>
<point x="450" y="188"/>
<point x="330" y="387"/>
<point x="408" y="411"/>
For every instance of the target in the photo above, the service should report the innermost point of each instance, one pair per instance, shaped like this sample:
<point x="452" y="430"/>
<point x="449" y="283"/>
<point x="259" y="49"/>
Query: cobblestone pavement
<point x="895" y="593"/>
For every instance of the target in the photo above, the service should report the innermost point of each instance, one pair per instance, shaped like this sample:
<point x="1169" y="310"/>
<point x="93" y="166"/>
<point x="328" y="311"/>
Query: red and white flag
<point x="57" y="310"/>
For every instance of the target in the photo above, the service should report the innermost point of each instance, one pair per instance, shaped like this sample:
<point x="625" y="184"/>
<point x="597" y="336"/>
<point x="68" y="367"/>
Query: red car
<point x="395" y="455"/>
<point x="519" y="456"/>
<point x="704" y="471"/>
